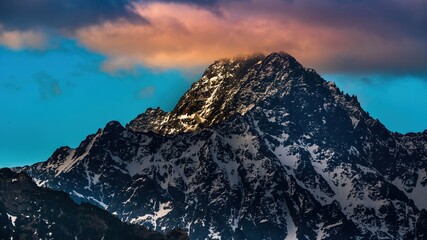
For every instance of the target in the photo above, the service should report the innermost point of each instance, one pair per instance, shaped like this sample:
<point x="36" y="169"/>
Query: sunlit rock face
<point x="258" y="148"/>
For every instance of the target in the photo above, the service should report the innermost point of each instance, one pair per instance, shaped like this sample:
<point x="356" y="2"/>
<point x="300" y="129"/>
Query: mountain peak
<point x="243" y="58"/>
<point x="227" y="88"/>
<point x="113" y="126"/>
<point x="279" y="150"/>
<point x="281" y="56"/>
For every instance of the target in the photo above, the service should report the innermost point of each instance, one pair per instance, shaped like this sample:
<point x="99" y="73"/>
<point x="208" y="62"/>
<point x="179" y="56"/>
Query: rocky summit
<point x="258" y="148"/>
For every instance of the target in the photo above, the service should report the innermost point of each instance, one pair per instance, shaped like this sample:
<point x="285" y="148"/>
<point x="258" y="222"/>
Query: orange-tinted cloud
<point x="184" y="36"/>
<point x="179" y="36"/>
<point x="328" y="35"/>
<point x="22" y="39"/>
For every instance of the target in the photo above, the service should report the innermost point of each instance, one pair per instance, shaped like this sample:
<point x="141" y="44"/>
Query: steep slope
<point x="227" y="88"/>
<point x="259" y="148"/>
<point x="28" y="211"/>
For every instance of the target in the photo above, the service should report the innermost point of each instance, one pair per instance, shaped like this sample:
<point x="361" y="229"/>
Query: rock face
<point x="259" y="148"/>
<point x="31" y="212"/>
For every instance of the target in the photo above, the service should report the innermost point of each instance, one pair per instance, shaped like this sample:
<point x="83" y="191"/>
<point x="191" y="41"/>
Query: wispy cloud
<point x="18" y="40"/>
<point x="146" y="92"/>
<point x="48" y="86"/>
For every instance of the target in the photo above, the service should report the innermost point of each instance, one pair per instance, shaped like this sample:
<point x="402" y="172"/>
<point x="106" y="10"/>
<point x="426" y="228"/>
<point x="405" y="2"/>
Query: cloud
<point x="18" y="40"/>
<point x="331" y="36"/>
<point x="181" y="36"/>
<point x="64" y="14"/>
<point x="204" y="3"/>
<point x="48" y="86"/>
<point x="146" y="92"/>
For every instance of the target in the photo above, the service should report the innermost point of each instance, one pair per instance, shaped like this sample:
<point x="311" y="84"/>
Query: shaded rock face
<point x="31" y="212"/>
<point x="259" y="148"/>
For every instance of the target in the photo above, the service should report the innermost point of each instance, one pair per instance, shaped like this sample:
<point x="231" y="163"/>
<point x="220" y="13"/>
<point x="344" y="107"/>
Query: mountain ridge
<point x="28" y="211"/>
<point x="279" y="150"/>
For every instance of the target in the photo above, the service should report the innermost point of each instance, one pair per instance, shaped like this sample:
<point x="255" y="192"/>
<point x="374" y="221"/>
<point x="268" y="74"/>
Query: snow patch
<point x="354" y="121"/>
<point x="214" y="234"/>
<point x="417" y="193"/>
<point x="290" y="226"/>
<point x="39" y="182"/>
<point x="286" y="157"/>
<point x="164" y="209"/>
<point x="71" y="159"/>
<point x="95" y="179"/>
<point x="12" y="218"/>
<point x="100" y="203"/>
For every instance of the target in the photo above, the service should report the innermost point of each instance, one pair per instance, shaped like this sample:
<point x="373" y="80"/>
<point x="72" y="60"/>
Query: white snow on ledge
<point x="39" y="182"/>
<point x="417" y="193"/>
<point x="354" y="121"/>
<point x="72" y="159"/>
<point x="12" y="218"/>
<point x="164" y="209"/>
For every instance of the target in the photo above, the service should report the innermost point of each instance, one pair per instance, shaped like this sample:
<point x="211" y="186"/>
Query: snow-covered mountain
<point x="259" y="148"/>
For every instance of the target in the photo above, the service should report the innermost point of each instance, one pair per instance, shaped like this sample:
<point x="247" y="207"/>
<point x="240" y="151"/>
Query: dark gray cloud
<point x="388" y="18"/>
<point x="381" y="35"/>
<point x="48" y="86"/>
<point x="63" y="14"/>
<point x="73" y="14"/>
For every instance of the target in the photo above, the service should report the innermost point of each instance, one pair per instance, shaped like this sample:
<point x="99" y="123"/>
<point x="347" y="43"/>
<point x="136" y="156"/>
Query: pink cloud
<point x="18" y="40"/>
<point x="185" y="36"/>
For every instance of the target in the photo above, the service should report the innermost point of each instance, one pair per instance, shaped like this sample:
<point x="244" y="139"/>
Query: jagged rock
<point x="280" y="153"/>
<point x="31" y="212"/>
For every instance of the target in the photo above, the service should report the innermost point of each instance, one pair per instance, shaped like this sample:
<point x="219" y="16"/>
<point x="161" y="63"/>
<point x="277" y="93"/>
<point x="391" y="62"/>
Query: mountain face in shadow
<point x="31" y="212"/>
<point x="258" y="148"/>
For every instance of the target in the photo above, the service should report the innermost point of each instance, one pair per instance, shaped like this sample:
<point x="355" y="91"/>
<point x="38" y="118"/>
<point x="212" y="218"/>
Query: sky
<point x="68" y="67"/>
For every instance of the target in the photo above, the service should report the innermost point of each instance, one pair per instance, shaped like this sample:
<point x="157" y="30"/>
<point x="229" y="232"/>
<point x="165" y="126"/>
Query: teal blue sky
<point x="398" y="101"/>
<point x="57" y="97"/>
<point x="67" y="67"/>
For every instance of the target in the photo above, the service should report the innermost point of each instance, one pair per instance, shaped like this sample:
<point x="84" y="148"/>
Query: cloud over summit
<point x="330" y="35"/>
